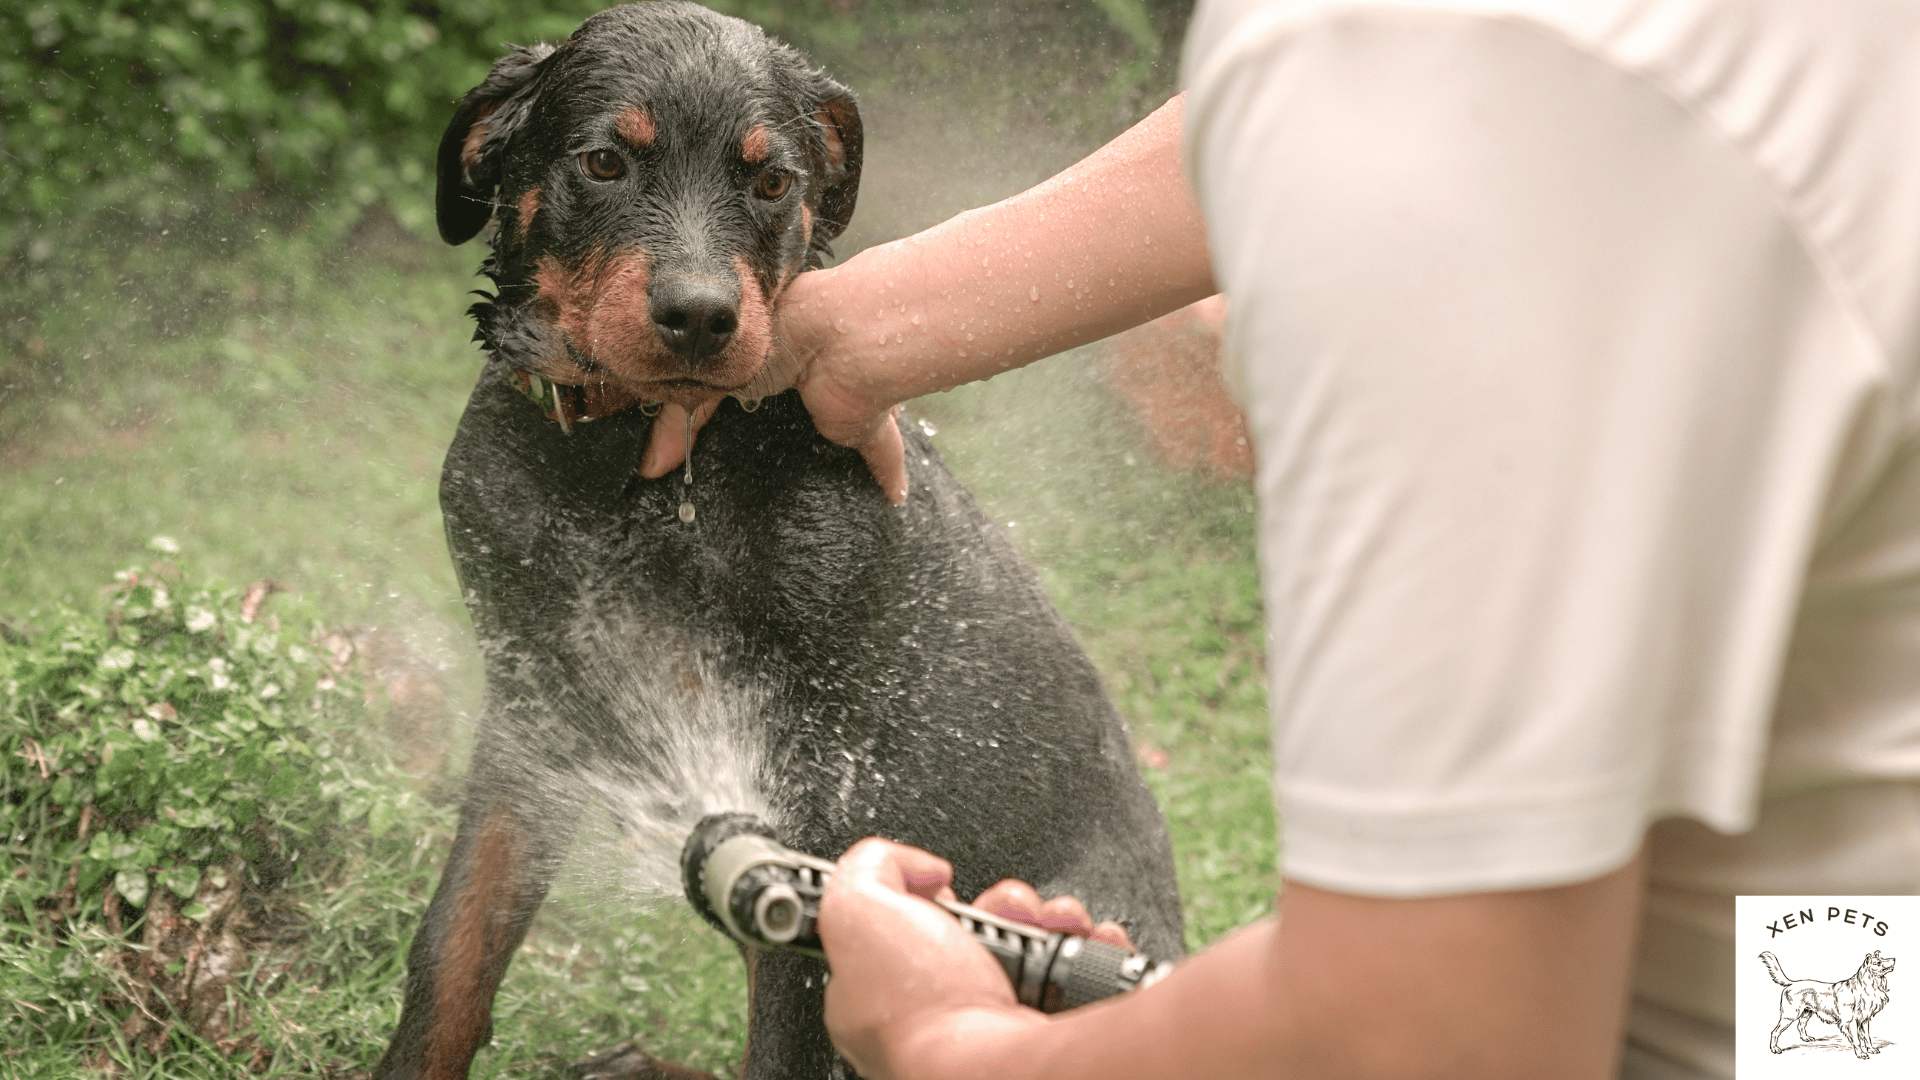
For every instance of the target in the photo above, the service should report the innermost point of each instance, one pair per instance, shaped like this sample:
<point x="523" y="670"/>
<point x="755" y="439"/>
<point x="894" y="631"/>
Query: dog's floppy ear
<point x="468" y="164"/>
<point x="833" y="108"/>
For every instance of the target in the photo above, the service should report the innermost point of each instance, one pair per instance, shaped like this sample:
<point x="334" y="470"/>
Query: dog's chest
<point x="793" y="573"/>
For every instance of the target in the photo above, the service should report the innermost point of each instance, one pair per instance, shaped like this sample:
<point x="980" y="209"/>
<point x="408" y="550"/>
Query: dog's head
<point x="658" y="179"/>
<point x="1879" y="965"/>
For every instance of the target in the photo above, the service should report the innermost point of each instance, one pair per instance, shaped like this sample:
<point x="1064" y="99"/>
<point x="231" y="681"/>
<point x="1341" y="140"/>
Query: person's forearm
<point x="1492" y="986"/>
<point x="1110" y="243"/>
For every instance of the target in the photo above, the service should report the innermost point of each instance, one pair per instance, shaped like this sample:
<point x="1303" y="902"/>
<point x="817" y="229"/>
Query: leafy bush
<point x="160" y="108"/>
<point x="166" y="771"/>
<point x="157" y="111"/>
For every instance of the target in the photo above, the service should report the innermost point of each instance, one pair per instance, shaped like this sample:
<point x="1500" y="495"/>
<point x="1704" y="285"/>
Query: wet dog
<point x="1850" y="1004"/>
<point x="763" y="632"/>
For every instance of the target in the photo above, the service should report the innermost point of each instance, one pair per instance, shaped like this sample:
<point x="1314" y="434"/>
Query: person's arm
<point x="1110" y="243"/>
<point x="1522" y="984"/>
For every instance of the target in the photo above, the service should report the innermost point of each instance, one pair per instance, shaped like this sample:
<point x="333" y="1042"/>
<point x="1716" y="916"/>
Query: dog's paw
<point x="628" y="1062"/>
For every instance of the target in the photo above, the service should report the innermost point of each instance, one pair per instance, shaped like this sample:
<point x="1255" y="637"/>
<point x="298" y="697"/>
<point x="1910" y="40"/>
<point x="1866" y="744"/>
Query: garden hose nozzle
<point x="762" y="893"/>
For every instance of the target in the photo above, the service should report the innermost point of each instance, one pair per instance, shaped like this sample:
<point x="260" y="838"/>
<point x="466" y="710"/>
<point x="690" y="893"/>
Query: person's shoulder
<point x="1821" y="98"/>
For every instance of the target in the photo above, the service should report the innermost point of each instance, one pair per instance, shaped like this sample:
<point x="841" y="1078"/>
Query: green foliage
<point x="182" y="734"/>
<point x="151" y="147"/>
<point x="166" y="771"/>
<point x="162" y="109"/>
<point x="178" y="112"/>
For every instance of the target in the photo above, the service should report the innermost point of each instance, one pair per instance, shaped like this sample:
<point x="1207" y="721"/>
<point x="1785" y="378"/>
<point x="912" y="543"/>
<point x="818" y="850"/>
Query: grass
<point x="298" y="445"/>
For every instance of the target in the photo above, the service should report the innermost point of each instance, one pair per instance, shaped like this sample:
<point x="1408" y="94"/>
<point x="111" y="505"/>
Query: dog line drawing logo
<point x="1849" y="1004"/>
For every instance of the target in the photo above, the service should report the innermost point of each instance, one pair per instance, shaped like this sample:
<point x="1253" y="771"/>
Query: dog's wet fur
<point x="655" y="182"/>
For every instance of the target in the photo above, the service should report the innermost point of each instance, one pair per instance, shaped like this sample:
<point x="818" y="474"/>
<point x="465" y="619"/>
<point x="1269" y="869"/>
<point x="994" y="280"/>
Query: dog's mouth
<point x="605" y="332"/>
<point x="688" y="391"/>
<point x="571" y="399"/>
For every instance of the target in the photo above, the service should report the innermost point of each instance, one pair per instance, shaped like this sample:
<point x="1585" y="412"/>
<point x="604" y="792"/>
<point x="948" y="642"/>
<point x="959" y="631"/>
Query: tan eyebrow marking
<point x="756" y="145"/>
<point x="636" y="126"/>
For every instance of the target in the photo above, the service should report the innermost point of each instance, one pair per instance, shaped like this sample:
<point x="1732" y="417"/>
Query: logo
<point x="1816" y="990"/>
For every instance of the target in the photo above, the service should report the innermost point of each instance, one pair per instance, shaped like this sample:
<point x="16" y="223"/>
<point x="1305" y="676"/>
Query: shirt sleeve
<point x="1547" y="397"/>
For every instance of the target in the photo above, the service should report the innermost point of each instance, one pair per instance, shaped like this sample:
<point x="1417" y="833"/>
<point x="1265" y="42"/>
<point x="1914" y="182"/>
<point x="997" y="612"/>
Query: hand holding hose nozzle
<point x="761" y="893"/>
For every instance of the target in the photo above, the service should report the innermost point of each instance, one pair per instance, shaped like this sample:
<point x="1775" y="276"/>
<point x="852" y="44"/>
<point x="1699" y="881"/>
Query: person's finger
<point x="1011" y="899"/>
<point x="898" y="867"/>
<point x="667" y="443"/>
<point x="1067" y="915"/>
<point x="1018" y="901"/>
<point x="847" y="417"/>
<point x="886" y="458"/>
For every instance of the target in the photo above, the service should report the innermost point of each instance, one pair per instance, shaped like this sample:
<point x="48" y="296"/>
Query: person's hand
<point x="849" y="405"/>
<point x="907" y="979"/>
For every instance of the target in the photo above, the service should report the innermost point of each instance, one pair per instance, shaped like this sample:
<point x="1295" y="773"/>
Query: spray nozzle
<point x="762" y="893"/>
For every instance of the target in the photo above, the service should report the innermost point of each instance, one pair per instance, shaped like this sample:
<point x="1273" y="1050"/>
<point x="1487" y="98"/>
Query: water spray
<point x="763" y="894"/>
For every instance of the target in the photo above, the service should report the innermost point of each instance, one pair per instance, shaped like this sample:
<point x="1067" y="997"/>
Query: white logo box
<point x="1855" y="959"/>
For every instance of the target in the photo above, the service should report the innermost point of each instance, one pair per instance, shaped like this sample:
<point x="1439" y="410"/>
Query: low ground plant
<point x="193" y="810"/>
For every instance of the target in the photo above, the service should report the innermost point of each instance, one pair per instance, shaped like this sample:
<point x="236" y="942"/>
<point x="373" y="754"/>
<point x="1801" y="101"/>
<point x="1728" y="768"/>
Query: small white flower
<point x="200" y="620"/>
<point x="165" y="545"/>
<point x="116" y="659"/>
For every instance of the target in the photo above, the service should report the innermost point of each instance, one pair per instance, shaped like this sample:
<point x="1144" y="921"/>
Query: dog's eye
<point x="603" y="164"/>
<point x="773" y="183"/>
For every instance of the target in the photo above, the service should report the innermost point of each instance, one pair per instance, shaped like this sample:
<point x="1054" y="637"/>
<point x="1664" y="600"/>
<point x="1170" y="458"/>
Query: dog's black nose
<point x="695" y="314"/>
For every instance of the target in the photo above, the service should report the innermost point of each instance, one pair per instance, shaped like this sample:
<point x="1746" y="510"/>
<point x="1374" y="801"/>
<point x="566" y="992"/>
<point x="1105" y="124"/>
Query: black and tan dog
<point x="768" y="636"/>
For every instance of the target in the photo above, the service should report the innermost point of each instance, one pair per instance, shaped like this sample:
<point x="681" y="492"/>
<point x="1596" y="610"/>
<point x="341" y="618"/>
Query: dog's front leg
<point x="504" y="857"/>
<point x="1850" y="1030"/>
<point x="786" y="1026"/>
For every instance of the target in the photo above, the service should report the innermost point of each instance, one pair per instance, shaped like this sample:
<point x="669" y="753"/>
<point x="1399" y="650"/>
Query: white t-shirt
<point x="1578" y="341"/>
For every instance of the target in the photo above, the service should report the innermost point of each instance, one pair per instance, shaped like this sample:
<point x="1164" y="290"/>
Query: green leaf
<point x="133" y="885"/>
<point x="183" y="880"/>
